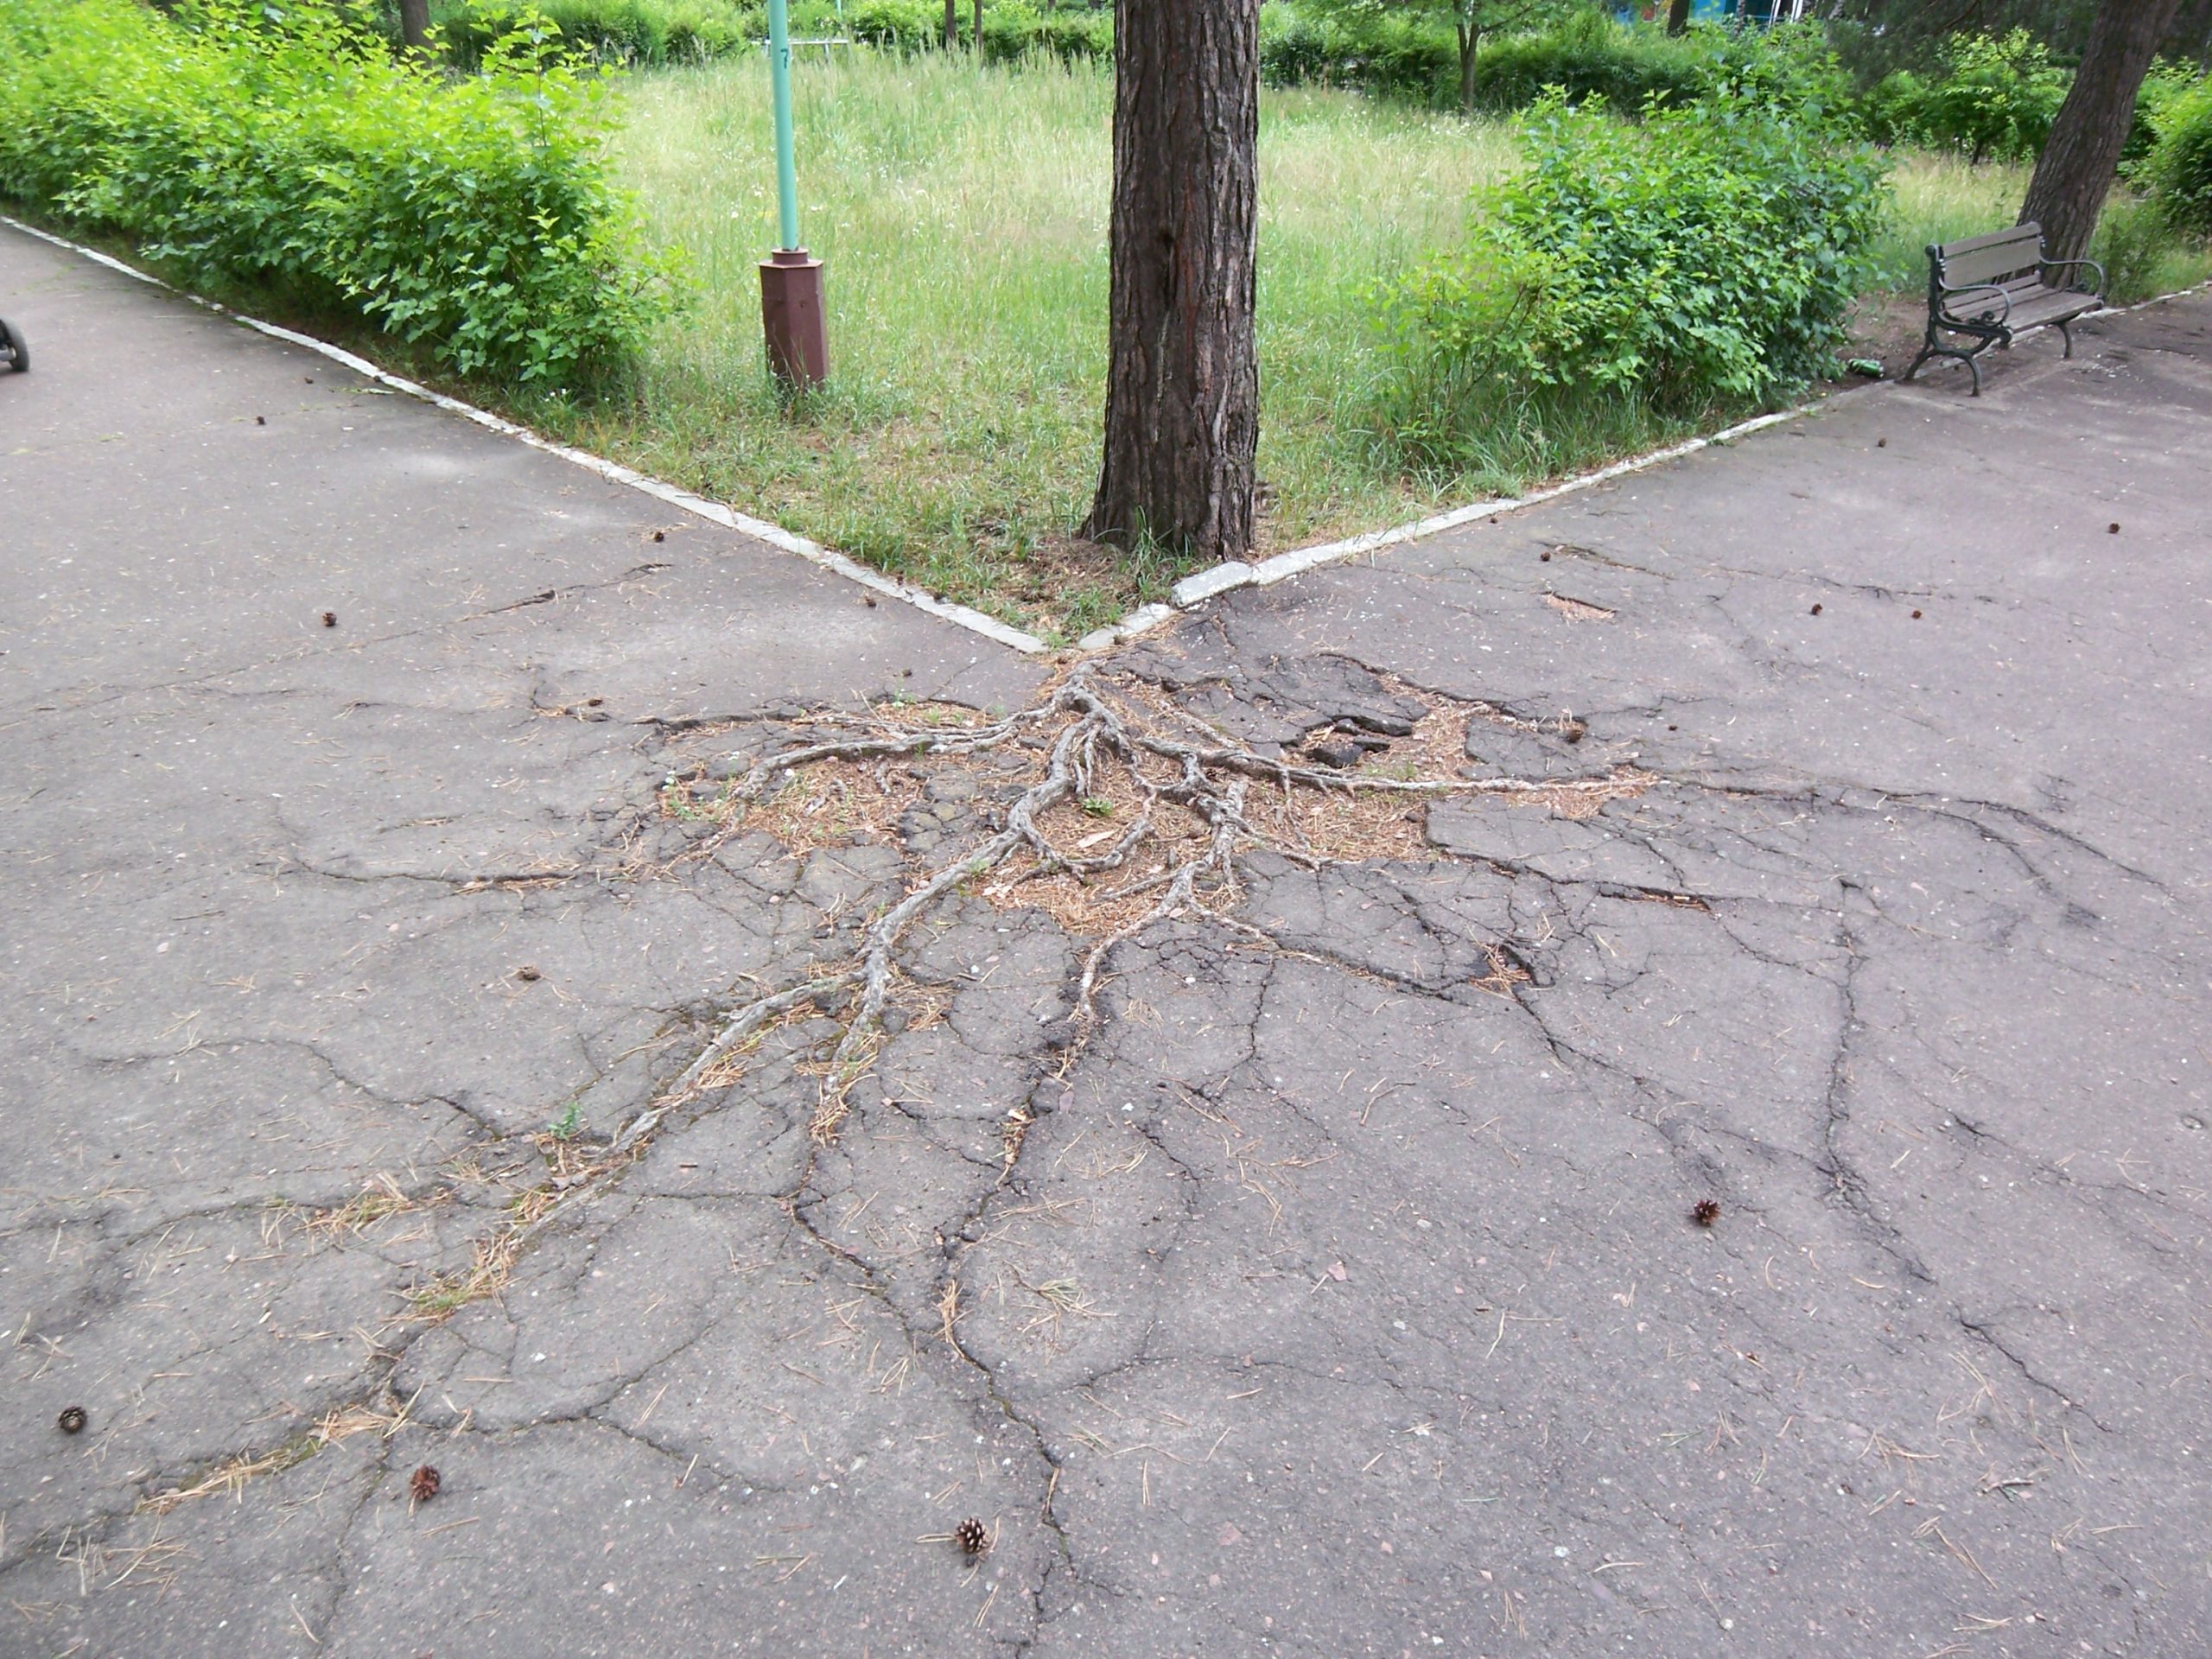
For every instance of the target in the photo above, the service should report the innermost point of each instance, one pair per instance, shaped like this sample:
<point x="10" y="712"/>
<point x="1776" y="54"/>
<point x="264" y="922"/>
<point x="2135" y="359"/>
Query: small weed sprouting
<point x="569" y="1124"/>
<point x="1098" y="806"/>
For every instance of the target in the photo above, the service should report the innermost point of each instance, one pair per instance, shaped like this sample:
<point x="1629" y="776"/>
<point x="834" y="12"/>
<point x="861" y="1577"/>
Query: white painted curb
<point x="713" y="511"/>
<point x="1194" y="590"/>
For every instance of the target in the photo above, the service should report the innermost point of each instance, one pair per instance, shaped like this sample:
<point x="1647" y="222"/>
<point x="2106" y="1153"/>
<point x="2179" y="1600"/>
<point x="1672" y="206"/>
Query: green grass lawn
<point x="961" y="212"/>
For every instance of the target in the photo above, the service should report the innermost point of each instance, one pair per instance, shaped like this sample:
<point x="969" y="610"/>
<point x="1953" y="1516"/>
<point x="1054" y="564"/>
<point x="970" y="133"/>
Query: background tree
<point x="414" y="24"/>
<point x="1470" y="20"/>
<point x="1678" y="16"/>
<point x="1182" y="372"/>
<point x="1884" y="34"/>
<point x="2082" y="153"/>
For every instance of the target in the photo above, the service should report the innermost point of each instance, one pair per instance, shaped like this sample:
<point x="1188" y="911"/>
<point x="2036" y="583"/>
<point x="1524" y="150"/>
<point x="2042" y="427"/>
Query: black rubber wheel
<point x="19" y="356"/>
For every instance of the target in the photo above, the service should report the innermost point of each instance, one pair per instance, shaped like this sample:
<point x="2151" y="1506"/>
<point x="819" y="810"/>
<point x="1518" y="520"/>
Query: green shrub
<point x="2169" y="81"/>
<point x="1415" y="55"/>
<point x="1995" y="98"/>
<point x="903" y="25"/>
<point x="290" y="151"/>
<point x="2177" y="172"/>
<point x="1012" y="30"/>
<point x="1788" y="67"/>
<point x="604" y="31"/>
<point x="682" y="31"/>
<point x="1890" y="110"/>
<point x="1012" y="33"/>
<point x="1703" y="258"/>
<point x="1589" y="55"/>
<point x="1385" y="53"/>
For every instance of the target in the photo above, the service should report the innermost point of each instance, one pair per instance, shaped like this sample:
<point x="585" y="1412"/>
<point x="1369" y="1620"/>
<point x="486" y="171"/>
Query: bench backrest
<point x="2002" y="258"/>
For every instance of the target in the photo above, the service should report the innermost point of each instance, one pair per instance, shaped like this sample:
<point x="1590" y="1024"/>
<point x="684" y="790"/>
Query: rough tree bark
<point x="1678" y="16"/>
<point x="414" y="24"/>
<point x="2080" y="158"/>
<point x="979" y="28"/>
<point x="1182" y="376"/>
<point x="951" y="24"/>
<point x="1470" y="29"/>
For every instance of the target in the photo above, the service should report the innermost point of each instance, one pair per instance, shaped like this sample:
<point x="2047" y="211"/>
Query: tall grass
<point x="1941" y="198"/>
<point x="962" y="213"/>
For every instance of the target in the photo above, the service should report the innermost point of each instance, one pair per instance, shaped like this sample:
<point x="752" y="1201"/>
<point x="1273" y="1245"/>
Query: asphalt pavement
<point x="1756" y="1205"/>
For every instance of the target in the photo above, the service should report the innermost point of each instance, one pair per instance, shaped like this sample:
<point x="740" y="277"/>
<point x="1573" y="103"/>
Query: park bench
<point x="1990" y="288"/>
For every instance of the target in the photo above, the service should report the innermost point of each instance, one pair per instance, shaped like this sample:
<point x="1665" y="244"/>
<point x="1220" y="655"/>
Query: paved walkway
<point x="1342" y="1297"/>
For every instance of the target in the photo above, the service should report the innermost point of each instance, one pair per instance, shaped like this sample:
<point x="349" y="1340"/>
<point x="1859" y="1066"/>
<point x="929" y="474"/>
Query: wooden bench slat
<point x="2046" y="306"/>
<point x="1999" y="260"/>
<point x="2029" y="232"/>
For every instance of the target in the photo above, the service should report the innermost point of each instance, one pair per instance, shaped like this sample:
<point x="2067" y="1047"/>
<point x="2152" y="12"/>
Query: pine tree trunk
<point x="1471" y="40"/>
<point x="414" y="24"/>
<point x="2082" y="153"/>
<point x="978" y="42"/>
<point x="1182" y="375"/>
<point x="951" y="24"/>
<point x="1678" y="16"/>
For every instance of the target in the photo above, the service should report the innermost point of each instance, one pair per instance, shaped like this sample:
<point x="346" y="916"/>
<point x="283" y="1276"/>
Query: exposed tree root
<point x="1096" y="747"/>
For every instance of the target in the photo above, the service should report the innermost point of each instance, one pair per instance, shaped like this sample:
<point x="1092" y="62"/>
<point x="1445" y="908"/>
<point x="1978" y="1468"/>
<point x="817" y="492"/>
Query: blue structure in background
<point x="1760" y="12"/>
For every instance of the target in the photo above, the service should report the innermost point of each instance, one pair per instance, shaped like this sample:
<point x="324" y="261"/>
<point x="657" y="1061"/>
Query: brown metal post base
<point x="791" y="314"/>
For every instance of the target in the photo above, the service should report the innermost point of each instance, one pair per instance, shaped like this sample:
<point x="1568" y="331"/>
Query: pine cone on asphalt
<point x="424" y="1485"/>
<point x="972" y="1536"/>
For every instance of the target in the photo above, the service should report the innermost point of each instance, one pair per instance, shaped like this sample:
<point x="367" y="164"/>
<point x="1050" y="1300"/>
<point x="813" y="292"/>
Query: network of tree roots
<point x="1104" y="802"/>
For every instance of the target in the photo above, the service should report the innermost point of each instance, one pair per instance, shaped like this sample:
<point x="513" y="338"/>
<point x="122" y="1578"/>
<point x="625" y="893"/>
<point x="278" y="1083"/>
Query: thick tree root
<point x="1097" y="739"/>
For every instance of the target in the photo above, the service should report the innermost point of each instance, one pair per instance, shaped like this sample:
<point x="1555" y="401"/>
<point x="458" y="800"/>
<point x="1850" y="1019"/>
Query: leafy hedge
<point x="2177" y="172"/>
<point x="604" y="31"/>
<point x="2169" y="81"/>
<point x="1387" y="54"/>
<point x="1994" y="98"/>
<point x="287" y="149"/>
<point x="1411" y="55"/>
<point x="1012" y="28"/>
<point x="1704" y="257"/>
<point x="679" y="31"/>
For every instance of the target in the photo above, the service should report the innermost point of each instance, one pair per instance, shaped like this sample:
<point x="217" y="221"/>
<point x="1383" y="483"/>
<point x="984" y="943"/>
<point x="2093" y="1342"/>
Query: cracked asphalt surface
<point x="1342" y="1296"/>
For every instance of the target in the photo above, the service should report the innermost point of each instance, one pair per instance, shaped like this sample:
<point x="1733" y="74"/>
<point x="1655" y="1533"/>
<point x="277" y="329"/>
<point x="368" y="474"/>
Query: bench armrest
<point x="2002" y="297"/>
<point x="2072" y="264"/>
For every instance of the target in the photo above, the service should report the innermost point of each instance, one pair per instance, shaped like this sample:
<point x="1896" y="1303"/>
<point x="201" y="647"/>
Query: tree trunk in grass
<point x="1469" y="31"/>
<point x="951" y="24"/>
<point x="1182" y="373"/>
<point x="2080" y="158"/>
<point x="415" y="25"/>
<point x="979" y="27"/>
<point x="1678" y="16"/>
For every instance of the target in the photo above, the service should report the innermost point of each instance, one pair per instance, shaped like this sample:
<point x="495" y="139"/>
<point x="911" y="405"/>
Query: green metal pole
<point x="790" y="278"/>
<point x="780" y="73"/>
